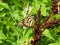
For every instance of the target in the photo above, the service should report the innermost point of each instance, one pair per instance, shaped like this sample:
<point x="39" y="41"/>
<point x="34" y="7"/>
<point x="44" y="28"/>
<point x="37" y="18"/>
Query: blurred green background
<point x="12" y="11"/>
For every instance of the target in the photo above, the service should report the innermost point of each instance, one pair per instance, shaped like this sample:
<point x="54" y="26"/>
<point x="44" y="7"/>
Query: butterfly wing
<point x="28" y="21"/>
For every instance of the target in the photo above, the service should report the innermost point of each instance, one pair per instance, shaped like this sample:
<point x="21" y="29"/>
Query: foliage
<point x="11" y="11"/>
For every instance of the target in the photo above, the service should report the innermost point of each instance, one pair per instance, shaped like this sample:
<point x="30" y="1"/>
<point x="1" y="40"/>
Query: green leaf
<point x="56" y="17"/>
<point x="59" y="41"/>
<point x="28" y="34"/>
<point x="2" y="36"/>
<point x="1" y="8"/>
<point x="0" y="0"/>
<point x="17" y="31"/>
<point x="15" y="15"/>
<point x="5" y="5"/>
<point x="56" y="43"/>
<point x="2" y="14"/>
<point x="7" y="26"/>
<point x="53" y="44"/>
<point x="36" y="6"/>
<point x="48" y="34"/>
<point x="0" y="41"/>
<point x="45" y="1"/>
<point x="33" y="11"/>
<point x="43" y="9"/>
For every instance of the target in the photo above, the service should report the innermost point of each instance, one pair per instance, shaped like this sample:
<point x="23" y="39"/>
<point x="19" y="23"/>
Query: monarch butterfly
<point x="28" y="21"/>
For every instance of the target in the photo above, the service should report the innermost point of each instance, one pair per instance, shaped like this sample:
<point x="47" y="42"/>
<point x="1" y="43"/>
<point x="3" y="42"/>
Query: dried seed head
<point x="54" y="7"/>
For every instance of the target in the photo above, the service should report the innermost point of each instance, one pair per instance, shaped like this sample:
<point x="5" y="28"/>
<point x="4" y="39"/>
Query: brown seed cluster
<point x="54" y="7"/>
<point x="46" y="24"/>
<point x="51" y="23"/>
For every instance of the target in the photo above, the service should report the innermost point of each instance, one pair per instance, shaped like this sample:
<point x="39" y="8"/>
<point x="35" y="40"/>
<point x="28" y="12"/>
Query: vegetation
<point x="13" y="11"/>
